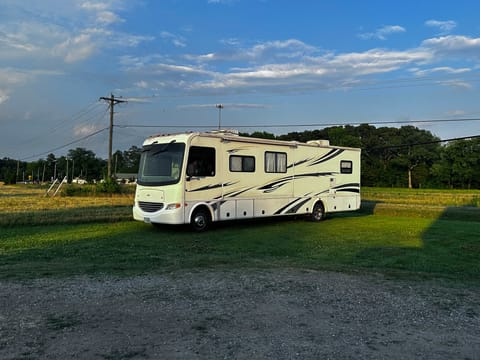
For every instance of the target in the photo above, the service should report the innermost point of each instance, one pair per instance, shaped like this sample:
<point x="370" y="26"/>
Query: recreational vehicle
<point x="202" y="177"/>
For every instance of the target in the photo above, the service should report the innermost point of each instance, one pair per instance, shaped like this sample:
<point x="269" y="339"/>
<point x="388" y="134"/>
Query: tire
<point x="318" y="213"/>
<point x="200" y="220"/>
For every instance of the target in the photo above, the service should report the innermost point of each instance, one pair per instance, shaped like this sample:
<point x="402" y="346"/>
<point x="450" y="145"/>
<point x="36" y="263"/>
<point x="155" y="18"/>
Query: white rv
<point x="198" y="178"/>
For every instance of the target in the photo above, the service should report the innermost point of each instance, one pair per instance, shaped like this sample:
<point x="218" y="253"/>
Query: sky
<point x="275" y="65"/>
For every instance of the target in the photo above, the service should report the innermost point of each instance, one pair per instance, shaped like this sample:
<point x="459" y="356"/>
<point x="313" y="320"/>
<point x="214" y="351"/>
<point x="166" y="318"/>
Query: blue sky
<point x="275" y="65"/>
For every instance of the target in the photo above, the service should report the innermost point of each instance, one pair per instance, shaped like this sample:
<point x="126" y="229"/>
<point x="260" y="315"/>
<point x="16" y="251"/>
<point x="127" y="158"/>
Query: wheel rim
<point x="318" y="212"/>
<point x="200" y="221"/>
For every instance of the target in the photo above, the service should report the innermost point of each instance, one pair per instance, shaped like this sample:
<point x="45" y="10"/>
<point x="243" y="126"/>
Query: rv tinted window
<point x="346" y="167"/>
<point x="160" y="164"/>
<point x="275" y="162"/>
<point x="201" y="161"/>
<point x="242" y="163"/>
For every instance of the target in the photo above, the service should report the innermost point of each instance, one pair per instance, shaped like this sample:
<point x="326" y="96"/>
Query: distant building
<point x="126" y="178"/>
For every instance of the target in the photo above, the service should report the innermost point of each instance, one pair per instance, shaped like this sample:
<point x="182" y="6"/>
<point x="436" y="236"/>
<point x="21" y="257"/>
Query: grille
<point x="150" y="206"/>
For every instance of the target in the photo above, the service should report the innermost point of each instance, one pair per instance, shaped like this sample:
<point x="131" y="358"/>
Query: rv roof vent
<point x="319" y="142"/>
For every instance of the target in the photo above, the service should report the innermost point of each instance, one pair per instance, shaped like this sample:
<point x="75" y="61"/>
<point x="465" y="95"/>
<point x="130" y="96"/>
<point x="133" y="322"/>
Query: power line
<point x="303" y="125"/>
<point x="40" y="137"/>
<point x="64" y="146"/>
<point x="425" y="143"/>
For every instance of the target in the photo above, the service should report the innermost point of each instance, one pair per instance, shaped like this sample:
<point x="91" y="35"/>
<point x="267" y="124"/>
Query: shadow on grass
<point x="368" y="207"/>
<point x="449" y="246"/>
<point x="131" y="248"/>
<point x="445" y="247"/>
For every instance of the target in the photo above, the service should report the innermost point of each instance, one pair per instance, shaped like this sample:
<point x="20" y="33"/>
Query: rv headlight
<point x="173" y="206"/>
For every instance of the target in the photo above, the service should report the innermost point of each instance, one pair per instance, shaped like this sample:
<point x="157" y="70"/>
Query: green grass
<point x="416" y="233"/>
<point x="423" y="197"/>
<point x="393" y="245"/>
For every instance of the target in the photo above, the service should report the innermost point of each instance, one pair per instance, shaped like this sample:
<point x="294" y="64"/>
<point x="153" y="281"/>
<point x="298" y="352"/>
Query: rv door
<point x="202" y="175"/>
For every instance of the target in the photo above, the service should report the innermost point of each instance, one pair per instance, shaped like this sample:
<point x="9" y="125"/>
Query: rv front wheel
<point x="318" y="212"/>
<point x="200" y="220"/>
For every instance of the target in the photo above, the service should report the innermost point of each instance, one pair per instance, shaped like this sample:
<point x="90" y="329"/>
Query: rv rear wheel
<point x="200" y="220"/>
<point x="318" y="212"/>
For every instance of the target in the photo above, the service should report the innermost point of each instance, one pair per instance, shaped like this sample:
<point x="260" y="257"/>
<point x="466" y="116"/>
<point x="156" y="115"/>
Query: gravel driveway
<point x="239" y="314"/>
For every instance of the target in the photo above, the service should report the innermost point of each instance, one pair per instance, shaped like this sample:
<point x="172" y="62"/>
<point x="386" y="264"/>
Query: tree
<point x="127" y="161"/>
<point x="86" y="165"/>
<point x="259" y="135"/>
<point x="132" y="159"/>
<point x="420" y="148"/>
<point x="459" y="165"/>
<point x="8" y="170"/>
<point x="51" y="166"/>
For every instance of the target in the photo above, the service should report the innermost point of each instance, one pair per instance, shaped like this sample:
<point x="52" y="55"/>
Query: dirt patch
<point x="239" y="314"/>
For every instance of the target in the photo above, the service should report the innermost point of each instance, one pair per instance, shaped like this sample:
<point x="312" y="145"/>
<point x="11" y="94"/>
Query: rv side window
<point x="346" y="167"/>
<point x="242" y="163"/>
<point x="275" y="162"/>
<point x="201" y="161"/>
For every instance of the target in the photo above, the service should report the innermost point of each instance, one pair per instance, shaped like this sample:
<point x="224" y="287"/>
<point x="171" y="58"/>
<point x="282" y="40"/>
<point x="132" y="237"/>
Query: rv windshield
<point x="161" y="164"/>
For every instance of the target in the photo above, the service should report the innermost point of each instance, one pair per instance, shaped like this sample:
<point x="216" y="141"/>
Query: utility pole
<point x="112" y="102"/>
<point x="219" y="107"/>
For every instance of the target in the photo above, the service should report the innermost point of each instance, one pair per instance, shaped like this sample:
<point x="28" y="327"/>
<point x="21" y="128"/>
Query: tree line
<point x="402" y="157"/>
<point x="79" y="163"/>
<point x="391" y="157"/>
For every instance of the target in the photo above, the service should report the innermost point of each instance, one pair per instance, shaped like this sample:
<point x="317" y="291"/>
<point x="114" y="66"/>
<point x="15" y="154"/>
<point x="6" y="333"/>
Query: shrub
<point x="79" y="190"/>
<point x="109" y="186"/>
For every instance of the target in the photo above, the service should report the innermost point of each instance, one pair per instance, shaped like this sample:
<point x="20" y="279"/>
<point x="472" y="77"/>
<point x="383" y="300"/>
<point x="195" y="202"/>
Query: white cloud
<point x="15" y="41"/>
<point x="76" y="48"/>
<point x="96" y="6"/>
<point x="28" y="39"/>
<point x="456" y="83"/>
<point x="176" y="40"/>
<point x="86" y="129"/>
<point x="69" y="33"/>
<point x="102" y="12"/>
<point x="383" y="32"/>
<point x="277" y="65"/>
<point x="454" y="46"/>
<point x="290" y="65"/>
<point x="11" y="76"/>
<point x="108" y="17"/>
<point x="3" y="96"/>
<point x="230" y="42"/>
<point x="453" y="42"/>
<point x="270" y="50"/>
<point x="441" y="69"/>
<point x="444" y="26"/>
<point x="141" y="84"/>
<point x="120" y="40"/>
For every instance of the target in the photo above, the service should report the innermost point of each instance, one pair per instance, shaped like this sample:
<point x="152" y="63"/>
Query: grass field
<point x="28" y="205"/>
<point x="421" y="240"/>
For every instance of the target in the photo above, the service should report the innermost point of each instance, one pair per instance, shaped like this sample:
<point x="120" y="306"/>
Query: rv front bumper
<point x="168" y="215"/>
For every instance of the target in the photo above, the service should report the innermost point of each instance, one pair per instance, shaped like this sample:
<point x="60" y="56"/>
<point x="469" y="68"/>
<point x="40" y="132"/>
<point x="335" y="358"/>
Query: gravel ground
<point x="239" y="314"/>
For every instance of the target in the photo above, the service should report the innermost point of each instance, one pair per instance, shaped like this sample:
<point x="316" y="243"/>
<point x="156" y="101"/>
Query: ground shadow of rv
<point x="448" y="247"/>
<point x="365" y="210"/>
